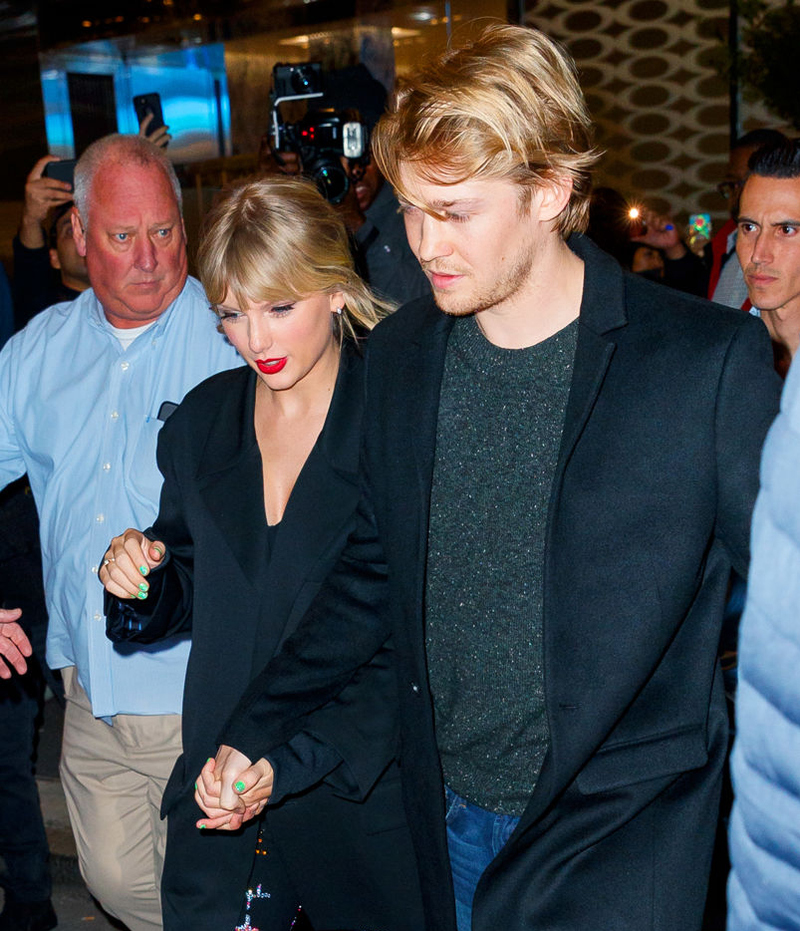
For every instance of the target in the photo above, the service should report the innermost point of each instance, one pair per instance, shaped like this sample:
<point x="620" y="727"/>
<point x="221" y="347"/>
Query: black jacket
<point x="344" y="843"/>
<point x="650" y="506"/>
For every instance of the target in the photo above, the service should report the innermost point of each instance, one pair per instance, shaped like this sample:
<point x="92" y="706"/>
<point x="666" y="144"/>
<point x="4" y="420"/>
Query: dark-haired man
<point x="726" y="284"/>
<point x="47" y="267"/>
<point x="768" y="243"/>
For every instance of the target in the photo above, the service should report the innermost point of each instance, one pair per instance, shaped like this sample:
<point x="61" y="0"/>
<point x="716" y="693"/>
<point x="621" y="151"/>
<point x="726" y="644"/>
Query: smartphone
<point x="149" y="103"/>
<point x="700" y="224"/>
<point x="63" y="170"/>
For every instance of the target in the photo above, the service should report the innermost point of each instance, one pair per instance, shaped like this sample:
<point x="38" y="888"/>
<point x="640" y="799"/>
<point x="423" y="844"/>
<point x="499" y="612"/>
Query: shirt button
<point x="94" y="570"/>
<point x="124" y="366"/>
<point x="98" y="616"/>
<point x="415" y="688"/>
<point x="100" y="518"/>
<point x="114" y="415"/>
<point x="106" y="466"/>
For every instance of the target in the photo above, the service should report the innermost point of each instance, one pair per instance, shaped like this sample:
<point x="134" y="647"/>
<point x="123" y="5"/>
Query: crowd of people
<point x="375" y="618"/>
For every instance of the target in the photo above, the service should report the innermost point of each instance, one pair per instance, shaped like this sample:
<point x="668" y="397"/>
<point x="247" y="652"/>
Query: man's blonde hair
<point x="278" y="239"/>
<point x="506" y="104"/>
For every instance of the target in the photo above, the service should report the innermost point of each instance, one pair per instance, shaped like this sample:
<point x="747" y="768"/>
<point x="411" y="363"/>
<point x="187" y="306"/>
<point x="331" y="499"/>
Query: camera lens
<point x="330" y="178"/>
<point x="302" y="80"/>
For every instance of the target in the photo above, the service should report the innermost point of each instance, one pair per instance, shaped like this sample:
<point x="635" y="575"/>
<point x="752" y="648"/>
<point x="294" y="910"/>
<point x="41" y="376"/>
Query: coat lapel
<point x="230" y="480"/>
<point x="602" y="312"/>
<point x="421" y="381"/>
<point x="419" y="385"/>
<point x="323" y="499"/>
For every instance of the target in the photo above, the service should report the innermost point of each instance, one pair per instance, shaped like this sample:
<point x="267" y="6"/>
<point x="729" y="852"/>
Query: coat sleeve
<point x="747" y="403"/>
<point x="333" y="677"/>
<point x="168" y="608"/>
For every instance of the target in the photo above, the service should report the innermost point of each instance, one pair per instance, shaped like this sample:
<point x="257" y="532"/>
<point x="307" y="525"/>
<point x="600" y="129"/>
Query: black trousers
<point x="23" y="842"/>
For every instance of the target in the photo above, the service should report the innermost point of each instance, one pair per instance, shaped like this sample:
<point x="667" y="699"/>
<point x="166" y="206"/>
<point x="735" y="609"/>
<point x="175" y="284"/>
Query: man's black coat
<point x="343" y="843"/>
<point x="657" y="474"/>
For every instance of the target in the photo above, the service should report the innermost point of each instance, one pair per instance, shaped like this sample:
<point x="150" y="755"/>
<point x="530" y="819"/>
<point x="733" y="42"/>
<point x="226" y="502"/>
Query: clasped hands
<point x="231" y="790"/>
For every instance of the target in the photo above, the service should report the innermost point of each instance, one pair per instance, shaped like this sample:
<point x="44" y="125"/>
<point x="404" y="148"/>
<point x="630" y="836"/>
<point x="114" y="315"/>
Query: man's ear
<point x="54" y="260"/>
<point x="554" y="194"/>
<point x="78" y="232"/>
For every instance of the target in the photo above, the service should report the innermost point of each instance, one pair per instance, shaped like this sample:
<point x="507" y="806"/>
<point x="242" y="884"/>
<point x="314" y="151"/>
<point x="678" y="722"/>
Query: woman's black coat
<point x="344" y="842"/>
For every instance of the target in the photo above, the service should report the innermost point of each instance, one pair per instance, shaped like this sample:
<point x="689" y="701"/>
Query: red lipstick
<point x="271" y="366"/>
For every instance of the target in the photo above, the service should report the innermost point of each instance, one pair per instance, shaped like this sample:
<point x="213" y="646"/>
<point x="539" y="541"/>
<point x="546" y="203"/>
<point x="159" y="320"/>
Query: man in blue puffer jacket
<point x="764" y="886"/>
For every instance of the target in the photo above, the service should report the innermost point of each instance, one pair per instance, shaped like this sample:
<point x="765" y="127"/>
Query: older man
<point x="768" y="244"/>
<point x="84" y="389"/>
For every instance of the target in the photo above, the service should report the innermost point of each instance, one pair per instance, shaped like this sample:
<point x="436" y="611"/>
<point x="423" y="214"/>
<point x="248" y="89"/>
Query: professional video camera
<point x="321" y="137"/>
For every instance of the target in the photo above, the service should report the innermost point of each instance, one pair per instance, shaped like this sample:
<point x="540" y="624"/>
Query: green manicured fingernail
<point x="143" y="570"/>
<point x="143" y="586"/>
<point x="158" y="550"/>
<point x="239" y="786"/>
<point x="209" y="759"/>
<point x="202" y="827"/>
<point x="195" y="787"/>
<point x="141" y="595"/>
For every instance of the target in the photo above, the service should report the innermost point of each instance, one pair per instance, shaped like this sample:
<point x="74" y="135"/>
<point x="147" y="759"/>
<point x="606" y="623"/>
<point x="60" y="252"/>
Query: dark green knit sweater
<point x="501" y="417"/>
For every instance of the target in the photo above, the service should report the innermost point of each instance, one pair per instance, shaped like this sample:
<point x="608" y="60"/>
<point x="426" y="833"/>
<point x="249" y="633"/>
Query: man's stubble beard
<point x="502" y="289"/>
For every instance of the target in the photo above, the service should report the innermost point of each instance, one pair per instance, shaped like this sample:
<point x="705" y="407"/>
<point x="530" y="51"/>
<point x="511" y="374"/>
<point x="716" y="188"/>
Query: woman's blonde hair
<point x="506" y="104"/>
<point x="278" y="239"/>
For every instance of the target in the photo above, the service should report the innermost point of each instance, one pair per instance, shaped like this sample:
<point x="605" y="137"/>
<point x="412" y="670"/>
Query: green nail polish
<point x="143" y="570"/>
<point x="141" y="595"/>
<point x="195" y="787"/>
<point x="239" y="786"/>
<point x="143" y="586"/>
<point x="202" y="827"/>
<point x="209" y="759"/>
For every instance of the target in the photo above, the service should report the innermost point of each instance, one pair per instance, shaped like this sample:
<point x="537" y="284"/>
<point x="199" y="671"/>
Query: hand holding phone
<point x="151" y="118"/>
<point x="61" y="170"/>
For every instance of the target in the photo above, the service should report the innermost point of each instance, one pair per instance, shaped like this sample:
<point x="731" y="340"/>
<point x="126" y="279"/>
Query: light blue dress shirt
<point x="80" y="415"/>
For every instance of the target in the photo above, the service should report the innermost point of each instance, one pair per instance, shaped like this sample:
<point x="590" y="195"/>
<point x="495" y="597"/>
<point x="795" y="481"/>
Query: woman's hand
<point x="126" y="563"/>
<point x="231" y="790"/>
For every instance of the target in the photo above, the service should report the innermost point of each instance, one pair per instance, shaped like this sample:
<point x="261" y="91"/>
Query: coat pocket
<point x="656" y="757"/>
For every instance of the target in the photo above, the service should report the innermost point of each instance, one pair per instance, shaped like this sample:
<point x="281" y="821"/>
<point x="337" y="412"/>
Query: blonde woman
<point x="260" y="489"/>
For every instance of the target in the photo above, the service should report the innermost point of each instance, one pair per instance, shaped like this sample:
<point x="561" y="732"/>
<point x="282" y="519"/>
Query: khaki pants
<point x="114" y="778"/>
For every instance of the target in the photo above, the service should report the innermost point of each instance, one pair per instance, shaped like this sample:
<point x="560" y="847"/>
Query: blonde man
<point x="560" y="461"/>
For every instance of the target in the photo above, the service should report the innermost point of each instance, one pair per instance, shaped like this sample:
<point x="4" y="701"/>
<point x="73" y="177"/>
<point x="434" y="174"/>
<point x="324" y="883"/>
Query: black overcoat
<point x="344" y="843"/>
<point x="657" y="474"/>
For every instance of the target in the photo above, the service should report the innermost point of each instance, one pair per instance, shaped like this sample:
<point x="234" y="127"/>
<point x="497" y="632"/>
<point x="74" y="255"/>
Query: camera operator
<point x="320" y="146"/>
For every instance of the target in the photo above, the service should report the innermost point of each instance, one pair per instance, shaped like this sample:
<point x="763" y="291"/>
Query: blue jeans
<point x="474" y="837"/>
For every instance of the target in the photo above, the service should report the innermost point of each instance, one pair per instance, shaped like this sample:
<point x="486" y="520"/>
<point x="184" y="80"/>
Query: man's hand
<point x="159" y="137"/>
<point x="661" y="233"/>
<point x="231" y="790"/>
<point x="128" y="559"/>
<point x="14" y="645"/>
<point x="41" y="195"/>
